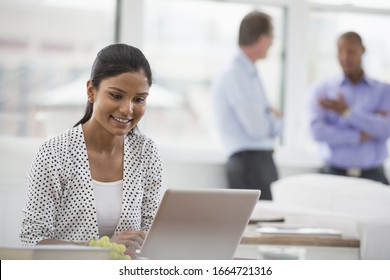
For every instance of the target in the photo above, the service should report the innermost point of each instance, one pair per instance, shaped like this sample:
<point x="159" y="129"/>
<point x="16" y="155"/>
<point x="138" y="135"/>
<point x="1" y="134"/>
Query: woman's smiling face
<point x="120" y="102"/>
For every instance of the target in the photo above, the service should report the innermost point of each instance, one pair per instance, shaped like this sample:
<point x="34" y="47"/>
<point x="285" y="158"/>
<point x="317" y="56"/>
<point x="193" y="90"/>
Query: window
<point x="45" y="60"/>
<point x="46" y="51"/>
<point x="348" y="4"/>
<point x="326" y="23"/>
<point x="186" y="43"/>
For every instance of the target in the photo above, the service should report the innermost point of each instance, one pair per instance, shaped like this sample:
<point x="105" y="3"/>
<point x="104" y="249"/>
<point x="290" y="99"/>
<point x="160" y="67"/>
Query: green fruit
<point x="116" y="250"/>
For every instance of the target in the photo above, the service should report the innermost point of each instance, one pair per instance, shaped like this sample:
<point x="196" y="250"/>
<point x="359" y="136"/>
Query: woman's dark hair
<point x="114" y="60"/>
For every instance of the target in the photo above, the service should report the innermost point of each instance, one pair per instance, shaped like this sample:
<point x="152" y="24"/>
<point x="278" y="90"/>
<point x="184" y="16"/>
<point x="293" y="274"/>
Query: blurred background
<point x="47" y="48"/>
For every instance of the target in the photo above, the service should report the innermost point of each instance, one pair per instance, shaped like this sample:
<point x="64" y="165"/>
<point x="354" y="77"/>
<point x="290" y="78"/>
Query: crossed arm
<point x="362" y="125"/>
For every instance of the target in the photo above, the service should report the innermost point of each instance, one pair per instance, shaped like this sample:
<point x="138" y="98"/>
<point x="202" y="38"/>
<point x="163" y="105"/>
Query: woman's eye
<point x="115" y="96"/>
<point x="139" y="100"/>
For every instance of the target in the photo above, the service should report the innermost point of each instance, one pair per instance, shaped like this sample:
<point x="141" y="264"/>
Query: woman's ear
<point x="90" y="91"/>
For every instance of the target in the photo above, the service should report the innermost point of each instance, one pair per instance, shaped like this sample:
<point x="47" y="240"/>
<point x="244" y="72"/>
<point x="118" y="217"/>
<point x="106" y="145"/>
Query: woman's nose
<point x="127" y="107"/>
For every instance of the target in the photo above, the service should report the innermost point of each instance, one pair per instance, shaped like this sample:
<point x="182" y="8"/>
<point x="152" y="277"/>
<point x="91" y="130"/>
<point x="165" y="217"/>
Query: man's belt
<point x="355" y="172"/>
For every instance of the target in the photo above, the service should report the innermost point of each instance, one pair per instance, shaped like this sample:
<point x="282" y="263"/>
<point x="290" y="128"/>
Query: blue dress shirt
<point x="241" y="108"/>
<point x="340" y="135"/>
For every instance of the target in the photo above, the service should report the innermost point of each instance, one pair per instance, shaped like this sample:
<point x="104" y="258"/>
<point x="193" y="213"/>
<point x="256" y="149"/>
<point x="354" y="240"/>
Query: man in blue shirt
<point x="350" y="116"/>
<point x="246" y="123"/>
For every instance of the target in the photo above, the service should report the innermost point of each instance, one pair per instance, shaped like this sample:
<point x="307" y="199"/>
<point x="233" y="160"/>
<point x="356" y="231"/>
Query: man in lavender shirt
<point x="350" y="116"/>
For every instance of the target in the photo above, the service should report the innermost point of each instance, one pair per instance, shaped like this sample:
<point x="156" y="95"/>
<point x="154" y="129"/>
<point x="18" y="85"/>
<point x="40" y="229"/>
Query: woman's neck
<point x="100" y="140"/>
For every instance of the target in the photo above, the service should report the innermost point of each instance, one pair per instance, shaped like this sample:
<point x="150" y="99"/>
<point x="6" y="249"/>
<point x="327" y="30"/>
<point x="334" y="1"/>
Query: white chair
<point x="352" y="205"/>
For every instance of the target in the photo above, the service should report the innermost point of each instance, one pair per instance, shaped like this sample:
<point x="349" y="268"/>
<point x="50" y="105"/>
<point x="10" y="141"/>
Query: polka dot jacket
<point x="60" y="199"/>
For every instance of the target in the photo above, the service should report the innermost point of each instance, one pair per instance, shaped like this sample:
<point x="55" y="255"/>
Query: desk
<point x="255" y="238"/>
<point x="306" y="247"/>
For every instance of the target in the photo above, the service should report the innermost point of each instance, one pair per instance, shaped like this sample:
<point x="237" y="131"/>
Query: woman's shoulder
<point x="137" y="136"/>
<point x="71" y="135"/>
<point x="139" y="141"/>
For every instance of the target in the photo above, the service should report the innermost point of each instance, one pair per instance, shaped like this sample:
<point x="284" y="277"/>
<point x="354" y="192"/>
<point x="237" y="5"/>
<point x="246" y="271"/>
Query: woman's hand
<point x="132" y="239"/>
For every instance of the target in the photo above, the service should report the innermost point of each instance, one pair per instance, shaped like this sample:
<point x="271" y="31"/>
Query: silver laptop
<point x="199" y="224"/>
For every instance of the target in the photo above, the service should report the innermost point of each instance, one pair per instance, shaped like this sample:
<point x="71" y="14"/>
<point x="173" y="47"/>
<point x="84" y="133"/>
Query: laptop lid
<point x="199" y="224"/>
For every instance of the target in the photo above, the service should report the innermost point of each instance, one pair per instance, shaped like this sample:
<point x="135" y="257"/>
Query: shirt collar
<point x="364" y="80"/>
<point x="247" y="64"/>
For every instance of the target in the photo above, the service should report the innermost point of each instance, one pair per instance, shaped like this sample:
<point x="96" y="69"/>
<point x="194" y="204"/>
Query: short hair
<point x="252" y="26"/>
<point x="351" y="35"/>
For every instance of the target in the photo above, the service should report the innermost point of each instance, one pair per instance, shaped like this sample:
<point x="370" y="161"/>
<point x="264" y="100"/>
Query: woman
<point x="100" y="177"/>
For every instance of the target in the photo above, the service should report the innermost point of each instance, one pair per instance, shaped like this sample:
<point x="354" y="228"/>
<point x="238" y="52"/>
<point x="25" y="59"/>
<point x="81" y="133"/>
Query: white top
<point x="108" y="201"/>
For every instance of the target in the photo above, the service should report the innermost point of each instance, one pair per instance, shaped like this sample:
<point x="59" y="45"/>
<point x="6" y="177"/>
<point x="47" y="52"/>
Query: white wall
<point x="15" y="158"/>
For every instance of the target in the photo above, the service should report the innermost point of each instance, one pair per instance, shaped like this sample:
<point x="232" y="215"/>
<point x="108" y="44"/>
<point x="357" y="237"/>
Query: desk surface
<point x="251" y="237"/>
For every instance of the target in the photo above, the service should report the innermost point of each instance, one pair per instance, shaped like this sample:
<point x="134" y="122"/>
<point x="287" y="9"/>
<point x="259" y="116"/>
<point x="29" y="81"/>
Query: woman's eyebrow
<point x="125" y="92"/>
<point x="142" y="94"/>
<point x="117" y="89"/>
